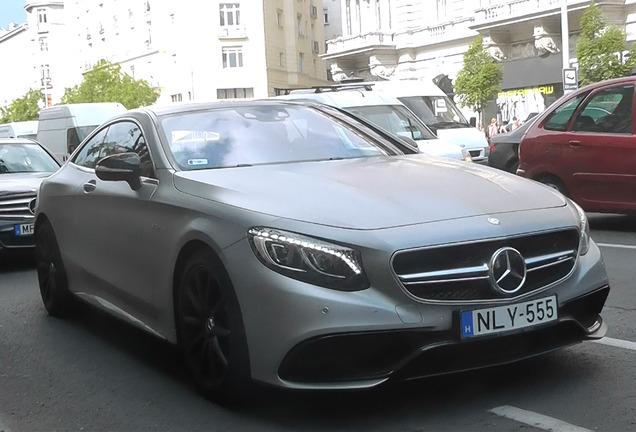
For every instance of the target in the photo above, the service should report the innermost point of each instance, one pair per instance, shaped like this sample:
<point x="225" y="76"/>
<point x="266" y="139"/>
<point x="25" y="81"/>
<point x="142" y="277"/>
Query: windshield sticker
<point x="195" y="162"/>
<point x="440" y="106"/>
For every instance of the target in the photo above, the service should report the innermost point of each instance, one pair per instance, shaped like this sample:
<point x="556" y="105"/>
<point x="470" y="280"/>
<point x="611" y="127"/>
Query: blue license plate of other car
<point x="23" y="229"/>
<point x="506" y="318"/>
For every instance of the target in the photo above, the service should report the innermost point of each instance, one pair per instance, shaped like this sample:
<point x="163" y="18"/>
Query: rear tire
<point x="210" y="330"/>
<point x="57" y="299"/>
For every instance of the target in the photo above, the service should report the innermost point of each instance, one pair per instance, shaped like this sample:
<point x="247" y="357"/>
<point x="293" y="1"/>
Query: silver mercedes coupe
<point x="291" y="244"/>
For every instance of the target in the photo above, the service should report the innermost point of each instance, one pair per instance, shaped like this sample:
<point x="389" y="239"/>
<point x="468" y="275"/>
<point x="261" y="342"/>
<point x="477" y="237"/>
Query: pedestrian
<point x="515" y="123"/>
<point x="492" y="128"/>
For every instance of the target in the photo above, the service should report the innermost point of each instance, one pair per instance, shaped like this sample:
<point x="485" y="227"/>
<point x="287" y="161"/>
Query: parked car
<point x="384" y="111"/>
<point x="62" y="127"/>
<point x="294" y="245"/>
<point x="21" y="129"/>
<point x="504" y="148"/>
<point x="433" y="107"/>
<point x="585" y="147"/>
<point x="24" y="163"/>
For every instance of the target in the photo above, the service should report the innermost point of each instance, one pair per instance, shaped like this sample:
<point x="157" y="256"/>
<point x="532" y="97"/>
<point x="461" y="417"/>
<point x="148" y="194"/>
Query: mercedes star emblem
<point x="507" y="270"/>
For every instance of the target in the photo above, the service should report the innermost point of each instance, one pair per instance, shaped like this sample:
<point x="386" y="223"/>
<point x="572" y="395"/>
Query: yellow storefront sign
<point x="548" y="90"/>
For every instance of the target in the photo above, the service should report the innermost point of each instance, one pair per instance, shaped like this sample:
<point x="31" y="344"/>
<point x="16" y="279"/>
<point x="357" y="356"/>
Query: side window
<point x="124" y="137"/>
<point x="90" y="153"/>
<point x="560" y="118"/>
<point x="608" y="111"/>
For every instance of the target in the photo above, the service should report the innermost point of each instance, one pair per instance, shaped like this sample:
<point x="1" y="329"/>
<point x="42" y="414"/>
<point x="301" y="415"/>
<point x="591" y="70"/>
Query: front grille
<point x="16" y="207"/>
<point x="460" y="272"/>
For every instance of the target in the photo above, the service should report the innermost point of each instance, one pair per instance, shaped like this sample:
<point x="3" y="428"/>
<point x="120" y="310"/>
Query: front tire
<point x="57" y="299"/>
<point x="554" y="183"/>
<point x="210" y="330"/>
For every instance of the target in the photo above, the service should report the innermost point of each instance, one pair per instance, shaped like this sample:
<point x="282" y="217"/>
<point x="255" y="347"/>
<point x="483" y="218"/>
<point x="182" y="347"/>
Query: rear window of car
<point x="251" y="135"/>
<point x="560" y="118"/>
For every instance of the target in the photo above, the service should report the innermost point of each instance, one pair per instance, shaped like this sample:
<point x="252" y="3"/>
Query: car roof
<point x="18" y="141"/>
<point x="344" y="96"/>
<point x="160" y="110"/>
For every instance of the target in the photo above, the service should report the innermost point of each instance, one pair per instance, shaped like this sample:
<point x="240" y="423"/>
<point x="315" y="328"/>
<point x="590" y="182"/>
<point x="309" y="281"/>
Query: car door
<point x="601" y="150"/>
<point x="111" y="224"/>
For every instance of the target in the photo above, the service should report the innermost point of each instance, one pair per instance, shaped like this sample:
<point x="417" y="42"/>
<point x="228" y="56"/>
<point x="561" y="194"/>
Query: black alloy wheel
<point x="210" y="331"/>
<point x="57" y="298"/>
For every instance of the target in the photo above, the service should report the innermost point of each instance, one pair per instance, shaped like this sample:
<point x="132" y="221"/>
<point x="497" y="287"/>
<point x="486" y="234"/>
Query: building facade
<point x="402" y="39"/>
<point x="190" y="50"/>
<point x="35" y="54"/>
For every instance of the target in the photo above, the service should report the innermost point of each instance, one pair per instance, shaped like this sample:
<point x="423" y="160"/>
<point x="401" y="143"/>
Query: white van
<point x="439" y="113"/>
<point x="63" y="127"/>
<point x="385" y="112"/>
<point x="23" y="129"/>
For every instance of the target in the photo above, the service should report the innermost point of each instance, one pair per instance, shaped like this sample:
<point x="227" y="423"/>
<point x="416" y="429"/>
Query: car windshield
<point x="436" y="111"/>
<point x="25" y="157"/>
<point x="258" y="134"/>
<point x="394" y="119"/>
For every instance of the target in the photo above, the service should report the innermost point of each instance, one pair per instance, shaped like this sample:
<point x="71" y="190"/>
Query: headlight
<point x="585" y="229"/>
<point x="466" y="155"/>
<point x="309" y="260"/>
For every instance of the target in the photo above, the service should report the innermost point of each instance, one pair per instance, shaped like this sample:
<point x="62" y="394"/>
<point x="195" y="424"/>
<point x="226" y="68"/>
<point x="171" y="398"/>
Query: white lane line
<point x="619" y="246"/>
<point x="536" y="420"/>
<point x="619" y="343"/>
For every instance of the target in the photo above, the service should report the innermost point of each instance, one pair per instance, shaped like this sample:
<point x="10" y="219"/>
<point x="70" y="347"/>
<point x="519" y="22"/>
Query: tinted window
<point x="607" y="111"/>
<point x="125" y="137"/>
<point x="260" y="134"/>
<point x="89" y="155"/>
<point x="435" y="110"/>
<point x="560" y="118"/>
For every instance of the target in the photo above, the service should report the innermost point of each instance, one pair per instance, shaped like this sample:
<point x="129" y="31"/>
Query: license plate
<point x="24" y="229"/>
<point x="500" y="319"/>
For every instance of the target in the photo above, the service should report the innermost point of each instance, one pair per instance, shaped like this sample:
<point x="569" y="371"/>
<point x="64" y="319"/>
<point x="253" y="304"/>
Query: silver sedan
<point x="293" y="245"/>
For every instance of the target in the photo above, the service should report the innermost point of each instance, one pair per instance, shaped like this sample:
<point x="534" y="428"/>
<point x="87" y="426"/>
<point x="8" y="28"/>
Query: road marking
<point x="539" y="421"/>
<point x="616" y="343"/>
<point x="619" y="246"/>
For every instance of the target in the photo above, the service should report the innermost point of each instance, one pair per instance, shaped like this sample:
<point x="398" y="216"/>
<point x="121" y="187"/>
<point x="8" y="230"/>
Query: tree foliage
<point x="106" y="83"/>
<point x="599" y="49"/>
<point x="23" y="109"/>
<point x="480" y="79"/>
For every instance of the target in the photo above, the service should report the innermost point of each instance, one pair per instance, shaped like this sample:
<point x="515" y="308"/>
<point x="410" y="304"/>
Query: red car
<point x="584" y="146"/>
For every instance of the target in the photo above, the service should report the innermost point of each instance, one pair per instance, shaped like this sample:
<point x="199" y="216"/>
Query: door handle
<point x="574" y="143"/>
<point x="90" y="186"/>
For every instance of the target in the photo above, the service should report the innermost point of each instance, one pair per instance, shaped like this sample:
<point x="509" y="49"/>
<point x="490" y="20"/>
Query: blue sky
<point x="12" y="11"/>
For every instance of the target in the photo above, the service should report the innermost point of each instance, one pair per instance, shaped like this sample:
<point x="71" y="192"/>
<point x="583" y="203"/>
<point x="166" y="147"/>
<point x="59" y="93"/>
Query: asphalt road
<point x="95" y="373"/>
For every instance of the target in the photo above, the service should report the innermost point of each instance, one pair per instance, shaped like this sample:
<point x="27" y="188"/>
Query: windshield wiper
<point x="447" y="124"/>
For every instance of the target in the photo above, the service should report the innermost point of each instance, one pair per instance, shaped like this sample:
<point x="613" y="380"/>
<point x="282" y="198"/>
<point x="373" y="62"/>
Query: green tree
<point x="106" y="83"/>
<point x="23" y="109"/>
<point x="479" y="80"/>
<point x="599" y="49"/>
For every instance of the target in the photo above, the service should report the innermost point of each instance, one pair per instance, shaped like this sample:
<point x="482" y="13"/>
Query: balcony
<point x="360" y="43"/>
<point x="232" y="32"/>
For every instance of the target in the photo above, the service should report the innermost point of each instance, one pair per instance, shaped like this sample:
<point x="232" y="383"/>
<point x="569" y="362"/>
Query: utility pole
<point x="569" y="74"/>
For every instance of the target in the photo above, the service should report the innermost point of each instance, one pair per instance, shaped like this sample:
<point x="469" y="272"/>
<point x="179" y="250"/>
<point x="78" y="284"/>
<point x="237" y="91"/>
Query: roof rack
<point x="329" y="88"/>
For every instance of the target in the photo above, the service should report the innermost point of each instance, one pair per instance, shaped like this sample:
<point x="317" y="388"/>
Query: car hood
<point x="464" y="137"/>
<point x="17" y="183"/>
<point x="369" y="193"/>
<point x="440" y="148"/>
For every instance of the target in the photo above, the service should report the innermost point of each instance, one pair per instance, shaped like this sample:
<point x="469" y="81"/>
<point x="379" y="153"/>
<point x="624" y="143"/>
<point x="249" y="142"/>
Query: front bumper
<point x="9" y="239"/>
<point x="374" y="357"/>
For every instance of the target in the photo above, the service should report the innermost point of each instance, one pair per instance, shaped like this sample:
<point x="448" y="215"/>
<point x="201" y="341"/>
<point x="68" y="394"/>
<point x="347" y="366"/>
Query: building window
<point x="325" y="16"/>
<point x="235" y="93"/>
<point x="177" y="97"/>
<point x="348" y="16"/>
<point x="301" y="62"/>
<point x="42" y="20"/>
<point x="45" y="76"/>
<point x="279" y="18"/>
<point x="281" y="59"/>
<point x="299" y="24"/>
<point x="230" y="14"/>
<point x="232" y="57"/>
<point x="44" y="44"/>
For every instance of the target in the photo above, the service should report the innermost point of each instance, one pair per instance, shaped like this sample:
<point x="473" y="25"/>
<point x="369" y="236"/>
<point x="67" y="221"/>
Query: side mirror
<point x="473" y="121"/>
<point x="120" y="167"/>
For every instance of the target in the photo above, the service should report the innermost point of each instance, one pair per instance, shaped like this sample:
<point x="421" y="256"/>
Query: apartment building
<point x="34" y="54"/>
<point x="399" y="39"/>
<point x="205" y="50"/>
<point x="190" y="50"/>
